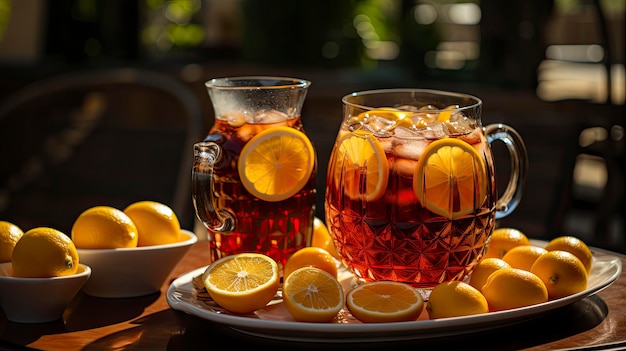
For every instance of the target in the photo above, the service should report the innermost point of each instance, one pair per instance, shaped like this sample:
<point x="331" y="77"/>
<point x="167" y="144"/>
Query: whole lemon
<point x="44" y="252"/>
<point x="313" y="257"/>
<point x="9" y="235"/>
<point x="509" y="288"/>
<point x="575" y="246"/>
<point x="454" y="299"/>
<point x="104" y="227"/>
<point x="157" y="224"/>
<point x="503" y="240"/>
<point x="523" y="256"/>
<point x="561" y="272"/>
<point x="483" y="270"/>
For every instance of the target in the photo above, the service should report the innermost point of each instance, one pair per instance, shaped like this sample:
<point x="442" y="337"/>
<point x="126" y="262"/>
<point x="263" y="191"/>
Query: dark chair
<point x="99" y="137"/>
<point x="595" y="211"/>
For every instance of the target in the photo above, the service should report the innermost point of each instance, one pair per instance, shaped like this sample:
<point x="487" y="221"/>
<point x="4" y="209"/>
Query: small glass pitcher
<point x="254" y="175"/>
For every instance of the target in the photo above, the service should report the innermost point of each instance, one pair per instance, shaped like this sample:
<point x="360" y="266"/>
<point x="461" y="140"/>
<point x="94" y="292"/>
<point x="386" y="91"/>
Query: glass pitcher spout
<point x="206" y="156"/>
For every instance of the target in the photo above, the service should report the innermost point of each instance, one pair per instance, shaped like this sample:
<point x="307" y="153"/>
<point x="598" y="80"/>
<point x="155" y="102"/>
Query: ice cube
<point x="270" y="116"/>
<point x="379" y="126"/>
<point x="407" y="133"/>
<point x="435" y="130"/>
<point x="409" y="149"/>
<point x="462" y="125"/>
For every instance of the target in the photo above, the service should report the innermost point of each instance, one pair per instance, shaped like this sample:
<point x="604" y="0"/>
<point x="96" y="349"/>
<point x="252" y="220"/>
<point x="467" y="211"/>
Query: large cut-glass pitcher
<point x="411" y="192"/>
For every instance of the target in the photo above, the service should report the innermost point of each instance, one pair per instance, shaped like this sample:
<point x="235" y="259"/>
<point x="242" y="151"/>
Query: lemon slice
<point x="276" y="163"/>
<point x="312" y="295"/>
<point x="446" y="113"/>
<point x="361" y="166"/>
<point x="450" y="178"/>
<point x="242" y="283"/>
<point x="384" y="301"/>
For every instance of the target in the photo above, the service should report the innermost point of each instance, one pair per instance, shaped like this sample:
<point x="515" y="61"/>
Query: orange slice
<point x="312" y="295"/>
<point x="384" y="301"/>
<point x="276" y="163"/>
<point x="450" y="178"/>
<point x="361" y="166"/>
<point x="242" y="283"/>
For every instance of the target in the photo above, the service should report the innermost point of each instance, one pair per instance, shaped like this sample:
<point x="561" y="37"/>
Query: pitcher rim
<point x="289" y="82"/>
<point x="476" y="103"/>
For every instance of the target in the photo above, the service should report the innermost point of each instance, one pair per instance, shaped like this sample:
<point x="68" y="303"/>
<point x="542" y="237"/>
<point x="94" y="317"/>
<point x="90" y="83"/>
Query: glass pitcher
<point x="411" y="193"/>
<point x="254" y="175"/>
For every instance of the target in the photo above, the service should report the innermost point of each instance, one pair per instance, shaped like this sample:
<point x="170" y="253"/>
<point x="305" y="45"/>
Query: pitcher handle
<point x="519" y="166"/>
<point x="206" y="155"/>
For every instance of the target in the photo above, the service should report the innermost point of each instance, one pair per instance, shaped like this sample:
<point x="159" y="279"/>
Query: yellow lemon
<point x="483" y="270"/>
<point x="384" y="301"/>
<point x="575" y="246"/>
<point x="313" y="257"/>
<point x="9" y="235"/>
<point x="504" y="239"/>
<point x="312" y="295"/>
<point x="455" y="299"/>
<point x="361" y="166"/>
<point x="561" y="272"/>
<point x="509" y="288"/>
<point x="242" y="283"/>
<point x="156" y="223"/>
<point x="44" y="252"/>
<point x="524" y="256"/>
<point x="104" y="227"/>
<point x="276" y="163"/>
<point x="450" y="178"/>
<point x="322" y="238"/>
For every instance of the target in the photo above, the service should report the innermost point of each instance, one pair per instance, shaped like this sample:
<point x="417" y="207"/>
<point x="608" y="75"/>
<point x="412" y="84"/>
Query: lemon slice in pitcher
<point x="361" y="166"/>
<point x="276" y="163"/>
<point x="450" y="178"/>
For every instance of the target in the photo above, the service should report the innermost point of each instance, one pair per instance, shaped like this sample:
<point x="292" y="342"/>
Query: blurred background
<point x="554" y="70"/>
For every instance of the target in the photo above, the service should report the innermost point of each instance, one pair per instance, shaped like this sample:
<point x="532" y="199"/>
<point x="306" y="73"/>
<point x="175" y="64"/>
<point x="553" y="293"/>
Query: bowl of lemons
<point x="131" y="251"/>
<point x="40" y="273"/>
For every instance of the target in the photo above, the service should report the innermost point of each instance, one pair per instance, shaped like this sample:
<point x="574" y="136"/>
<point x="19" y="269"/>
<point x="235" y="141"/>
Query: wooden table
<point x="147" y="323"/>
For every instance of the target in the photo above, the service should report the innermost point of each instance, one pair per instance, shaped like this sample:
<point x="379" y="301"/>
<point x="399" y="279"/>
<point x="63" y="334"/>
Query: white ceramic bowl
<point x="38" y="300"/>
<point x="132" y="272"/>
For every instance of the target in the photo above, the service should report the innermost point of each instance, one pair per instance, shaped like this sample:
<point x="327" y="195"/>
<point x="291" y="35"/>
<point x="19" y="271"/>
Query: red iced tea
<point x="409" y="230"/>
<point x="274" y="228"/>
